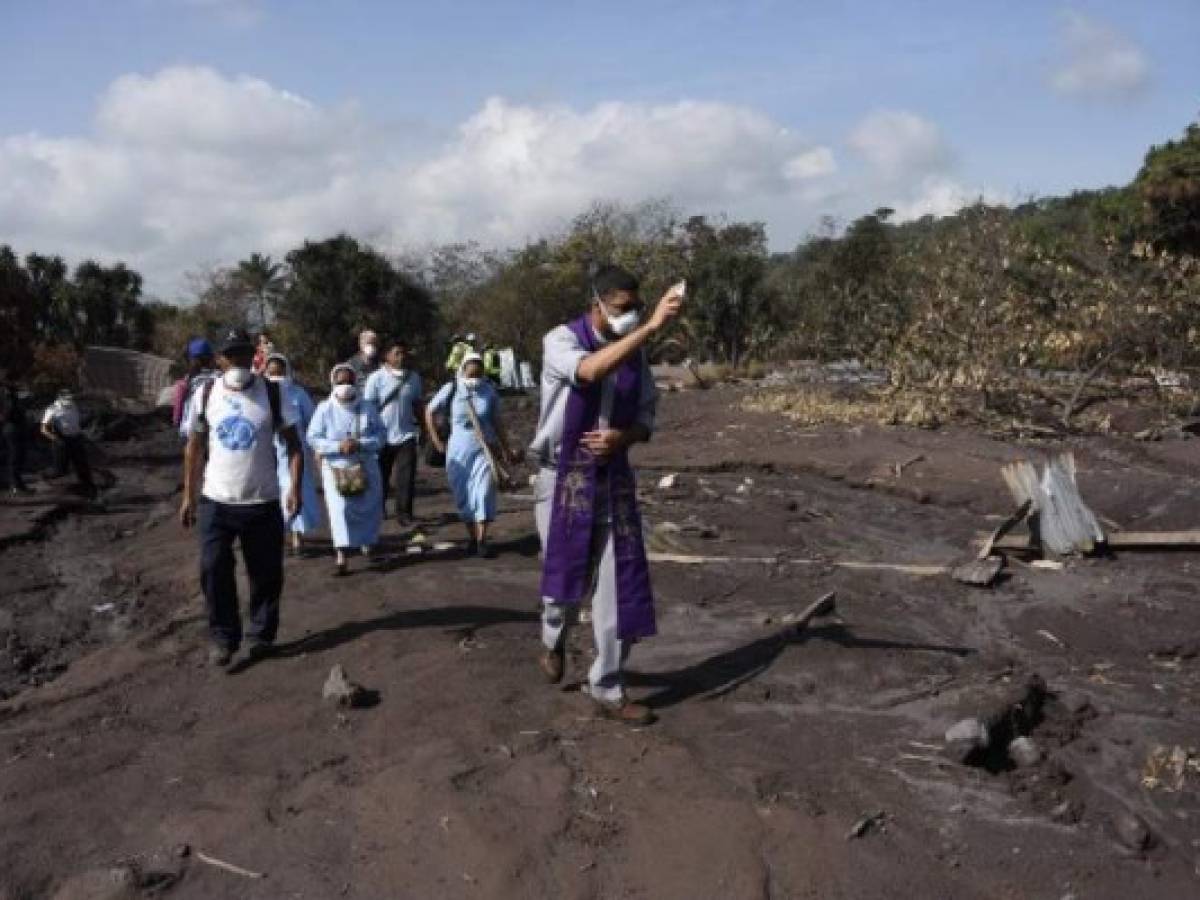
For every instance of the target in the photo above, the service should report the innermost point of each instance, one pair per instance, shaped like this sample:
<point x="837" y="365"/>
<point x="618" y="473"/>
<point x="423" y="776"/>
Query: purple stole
<point x="567" y="569"/>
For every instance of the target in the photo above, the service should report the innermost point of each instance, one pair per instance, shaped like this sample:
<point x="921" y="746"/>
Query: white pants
<point x="604" y="678"/>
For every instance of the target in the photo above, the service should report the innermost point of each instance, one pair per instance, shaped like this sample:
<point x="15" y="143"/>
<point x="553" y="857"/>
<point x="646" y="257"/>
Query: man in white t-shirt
<point x="233" y="420"/>
<point x="62" y="428"/>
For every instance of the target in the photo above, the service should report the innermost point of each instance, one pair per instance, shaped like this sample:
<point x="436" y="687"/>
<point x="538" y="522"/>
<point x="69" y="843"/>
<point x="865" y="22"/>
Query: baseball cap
<point x="198" y="347"/>
<point x="236" y="340"/>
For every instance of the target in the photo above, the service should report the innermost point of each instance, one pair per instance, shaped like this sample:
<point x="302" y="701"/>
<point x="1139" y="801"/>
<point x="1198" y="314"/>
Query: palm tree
<point x="263" y="282"/>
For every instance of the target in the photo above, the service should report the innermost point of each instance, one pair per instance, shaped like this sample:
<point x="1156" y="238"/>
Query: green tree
<point x="1168" y="186"/>
<point x="338" y="287"/>
<point x="731" y="308"/>
<point x="104" y="303"/>
<point x="264" y="282"/>
<point x="18" y="313"/>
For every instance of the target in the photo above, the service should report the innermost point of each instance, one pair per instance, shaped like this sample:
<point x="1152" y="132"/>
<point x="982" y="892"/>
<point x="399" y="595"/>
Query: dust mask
<point x="238" y="378"/>
<point x="369" y="351"/>
<point x="471" y="383"/>
<point x="622" y="323"/>
<point x="345" y="392"/>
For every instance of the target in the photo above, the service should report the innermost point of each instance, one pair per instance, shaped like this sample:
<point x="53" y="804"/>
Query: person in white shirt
<point x="61" y="427"/>
<point x="235" y="418"/>
<point x="395" y="389"/>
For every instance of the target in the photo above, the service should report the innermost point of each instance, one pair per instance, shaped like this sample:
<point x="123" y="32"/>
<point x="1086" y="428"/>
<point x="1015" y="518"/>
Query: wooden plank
<point x="1005" y="527"/>
<point x="1149" y="540"/>
<point x="1121" y="540"/>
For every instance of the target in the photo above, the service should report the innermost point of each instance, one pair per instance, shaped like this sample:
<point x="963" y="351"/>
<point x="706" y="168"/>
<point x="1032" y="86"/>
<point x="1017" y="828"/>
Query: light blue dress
<point x="353" y="521"/>
<point x="467" y="467"/>
<point x="310" y="504"/>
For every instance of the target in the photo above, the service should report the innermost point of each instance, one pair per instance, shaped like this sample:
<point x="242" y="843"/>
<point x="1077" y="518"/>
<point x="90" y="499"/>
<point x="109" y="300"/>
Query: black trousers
<point x="71" y="452"/>
<point x="398" y="471"/>
<point x="259" y="529"/>
<point x="14" y="454"/>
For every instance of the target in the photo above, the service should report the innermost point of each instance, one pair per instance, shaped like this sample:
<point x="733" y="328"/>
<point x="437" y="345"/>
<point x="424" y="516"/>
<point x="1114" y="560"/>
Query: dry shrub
<point x="822" y="405"/>
<point x="714" y="373"/>
<point x="55" y="366"/>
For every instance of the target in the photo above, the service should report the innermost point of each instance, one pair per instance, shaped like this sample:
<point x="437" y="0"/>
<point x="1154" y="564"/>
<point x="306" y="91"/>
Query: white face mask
<point x="237" y="378"/>
<point x="369" y="351"/>
<point x="623" y="323"/>
<point x="345" y="392"/>
<point x="279" y="379"/>
<point x="470" y="383"/>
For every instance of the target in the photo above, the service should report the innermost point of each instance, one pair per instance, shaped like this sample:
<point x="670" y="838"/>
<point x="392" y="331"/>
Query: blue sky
<point x="137" y="129"/>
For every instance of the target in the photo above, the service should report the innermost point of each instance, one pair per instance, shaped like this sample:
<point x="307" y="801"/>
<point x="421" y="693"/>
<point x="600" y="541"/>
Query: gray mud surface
<point x="783" y="765"/>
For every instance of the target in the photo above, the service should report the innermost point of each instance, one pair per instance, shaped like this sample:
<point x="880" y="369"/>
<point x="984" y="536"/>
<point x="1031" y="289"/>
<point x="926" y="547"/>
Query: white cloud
<point x="815" y="163"/>
<point x="188" y="166"/>
<point x="1098" y="61"/>
<point x="900" y="144"/>
<point x="941" y="195"/>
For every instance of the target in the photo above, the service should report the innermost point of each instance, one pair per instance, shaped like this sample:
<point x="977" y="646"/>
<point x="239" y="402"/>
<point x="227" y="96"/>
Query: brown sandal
<point x="553" y="665"/>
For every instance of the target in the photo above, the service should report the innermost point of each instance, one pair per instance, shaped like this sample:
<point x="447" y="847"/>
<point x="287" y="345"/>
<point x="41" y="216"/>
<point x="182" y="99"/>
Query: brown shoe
<point x="553" y="665"/>
<point x="625" y="711"/>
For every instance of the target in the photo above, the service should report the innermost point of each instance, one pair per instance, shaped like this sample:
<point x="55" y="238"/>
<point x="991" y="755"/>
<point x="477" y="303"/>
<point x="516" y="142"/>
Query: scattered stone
<point x="341" y="690"/>
<point x="1132" y="833"/>
<point x="966" y="738"/>
<point x="1067" y="813"/>
<point x="866" y="823"/>
<point x="979" y="572"/>
<point x="668" y="482"/>
<point x="1024" y="752"/>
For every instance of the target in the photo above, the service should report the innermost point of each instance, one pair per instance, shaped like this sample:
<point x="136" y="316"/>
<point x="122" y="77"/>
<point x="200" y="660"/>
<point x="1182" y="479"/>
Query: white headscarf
<point x="469" y="358"/>
<point x="287" y="364"/>
<point x="340" y="367"/>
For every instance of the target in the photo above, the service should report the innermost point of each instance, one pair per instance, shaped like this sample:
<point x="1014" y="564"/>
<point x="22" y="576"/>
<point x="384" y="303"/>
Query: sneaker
<point x="553" y="665"/>
<point x="623" y="711"/>
<point x="472" y="548"/>
<point x="486" y="551"/>
<point x="219" y="657"/>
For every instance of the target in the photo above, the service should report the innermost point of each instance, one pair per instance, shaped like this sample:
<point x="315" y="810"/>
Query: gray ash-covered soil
<point x="468" y="777"/>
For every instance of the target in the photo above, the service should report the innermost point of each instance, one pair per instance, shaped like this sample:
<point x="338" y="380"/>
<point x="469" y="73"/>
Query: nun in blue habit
<point x="346" y="432"/>
<point x="308" y="520"/>
<point x="469" y="469"/>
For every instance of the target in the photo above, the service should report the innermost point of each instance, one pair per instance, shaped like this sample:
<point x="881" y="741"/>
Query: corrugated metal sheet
<point x="126" y="373"/>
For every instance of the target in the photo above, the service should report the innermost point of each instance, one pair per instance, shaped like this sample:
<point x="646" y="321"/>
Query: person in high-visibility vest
<point x="459" y="348"/>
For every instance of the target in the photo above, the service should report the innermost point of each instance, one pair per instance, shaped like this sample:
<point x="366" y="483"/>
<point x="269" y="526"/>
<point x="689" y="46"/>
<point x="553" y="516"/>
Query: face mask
<point x="398" y="371"/>
<point x="369" y="351"/>
<point x="345" y="392"/>
<point x="279" y="379"/>
<point x="238" y="378"/>
<point x="623" y="323"/>
<point x="470" y="383"/>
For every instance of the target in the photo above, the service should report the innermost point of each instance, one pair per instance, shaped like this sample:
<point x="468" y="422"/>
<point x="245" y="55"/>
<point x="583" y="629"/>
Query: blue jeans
<point x="259" y="529"/>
